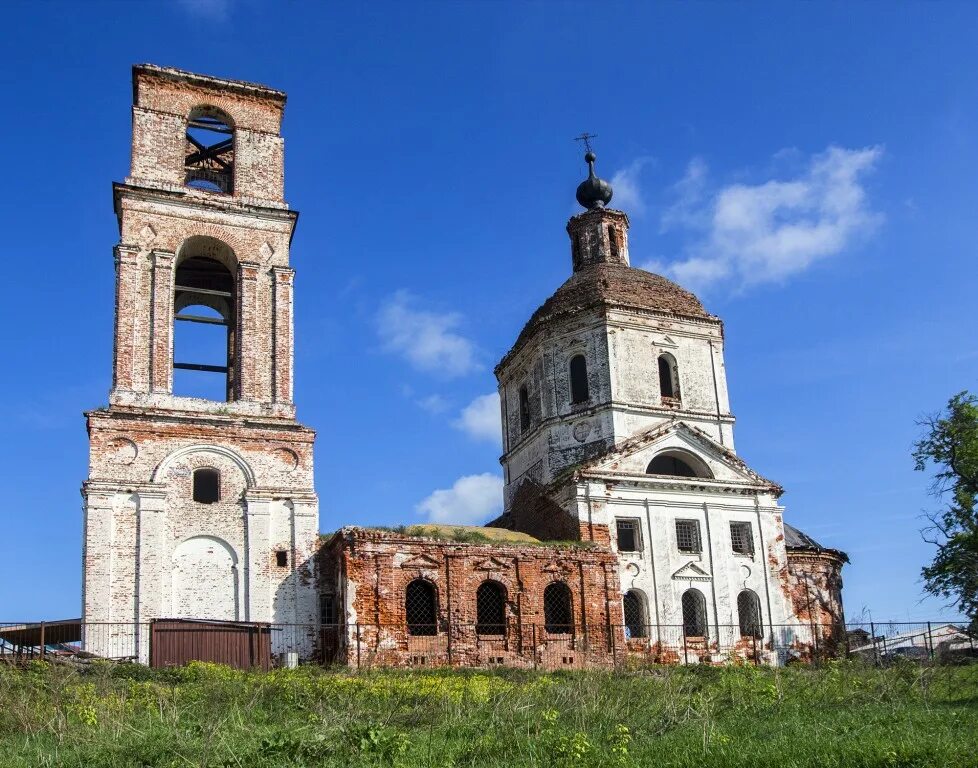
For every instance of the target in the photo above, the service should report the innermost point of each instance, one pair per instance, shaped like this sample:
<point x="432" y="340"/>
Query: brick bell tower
<point x="199" y="501"/>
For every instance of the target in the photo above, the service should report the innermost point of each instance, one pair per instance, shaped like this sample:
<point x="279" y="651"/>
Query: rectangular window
<point x="281" y="558"/>
<point x="741" y="539"/>
<point x="629" y="538"/>
<point x="327" y="609"/>
<point x="688" y="537"/>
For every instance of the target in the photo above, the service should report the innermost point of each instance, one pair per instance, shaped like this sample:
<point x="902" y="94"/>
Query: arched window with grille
<point x="633" y="605"/>
<point x="490" y="608"/>
<point x="524" y="409"/>
<point x="677" y="463"/>
<point x="558" y="609"/>
<point x="694" y="613"/>
<point x="668" y="376"/>
<point x="207" y="485"/>
<point x="578" y="380"/>
<point x="749" y="614"/>
<point x="421" y="608"/>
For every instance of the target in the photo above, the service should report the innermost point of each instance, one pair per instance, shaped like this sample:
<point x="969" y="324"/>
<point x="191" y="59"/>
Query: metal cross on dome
<point x="586" y="138"/>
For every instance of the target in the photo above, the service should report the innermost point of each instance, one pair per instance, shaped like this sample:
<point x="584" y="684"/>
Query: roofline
<point x="207" y="81"/>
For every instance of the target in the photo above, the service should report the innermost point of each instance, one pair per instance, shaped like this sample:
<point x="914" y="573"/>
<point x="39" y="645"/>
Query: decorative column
<point x="257" y="599"/>
<point x="161" y="334"/>
<point x="151" y="573"/>
<point x="282" y="321"/>
<point x="126" y="317"/>
<point x="247" y="332"/>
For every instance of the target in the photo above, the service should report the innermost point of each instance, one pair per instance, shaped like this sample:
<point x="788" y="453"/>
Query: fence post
<point x="872" y="634"/>
<point x="930" y="642"/>
<point x="357" y="628"/>
<point x="43" y="641"/>
<point x="614" y="647"/>
<point x="685" y="648"/>
<point x="757" y="661"/>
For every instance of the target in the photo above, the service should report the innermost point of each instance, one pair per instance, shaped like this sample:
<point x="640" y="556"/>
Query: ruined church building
<point x="630" y="527"/>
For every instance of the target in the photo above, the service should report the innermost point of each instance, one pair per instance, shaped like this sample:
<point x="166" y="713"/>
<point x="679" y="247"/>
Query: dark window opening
<point x="688" y="537"/>
<point x="613" y="242"/>
<point x="558" y="612"/>
<point x="421" y="608"/>
<point x="694" y="613"/>
<point x="207" y="485"/>
<point x="524" y="409"/>
<point x="749" y="613"/>
<point x="281" y="558"/>
<point x="629" y="538"/>
<point x="327" y="609"/>
<point x="578" y="379"/>
<point x="741" y="539"/>
<point x="209" y="152"/>
<point x="203" y="327"/>
<point x="668" y="377"/>
<point x="664" y="464"/>
<point x="490" y="608"/>
<point x="634" y="608"/>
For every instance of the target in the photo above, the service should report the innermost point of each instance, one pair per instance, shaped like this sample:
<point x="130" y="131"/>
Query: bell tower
<point x="200" y="500"/>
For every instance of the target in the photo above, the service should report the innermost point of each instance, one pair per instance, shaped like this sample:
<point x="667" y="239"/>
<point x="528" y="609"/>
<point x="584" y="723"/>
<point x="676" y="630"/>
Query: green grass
<point x="840" y="716"/>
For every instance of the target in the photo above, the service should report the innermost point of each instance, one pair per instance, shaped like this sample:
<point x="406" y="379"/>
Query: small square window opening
<point x="741" y="539"/>
<point x="688" y="537"/>
<point x="281" y="558"/>
<point x="629" y="538"/>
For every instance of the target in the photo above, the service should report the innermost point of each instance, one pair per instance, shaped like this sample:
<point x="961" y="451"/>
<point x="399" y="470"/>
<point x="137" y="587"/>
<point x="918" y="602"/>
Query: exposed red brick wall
<point x="370" y="571"/>
<point x="813" y="584"/>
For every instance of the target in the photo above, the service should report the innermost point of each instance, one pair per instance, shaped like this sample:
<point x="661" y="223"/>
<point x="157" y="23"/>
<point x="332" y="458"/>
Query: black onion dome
<point x="593" y="192"/>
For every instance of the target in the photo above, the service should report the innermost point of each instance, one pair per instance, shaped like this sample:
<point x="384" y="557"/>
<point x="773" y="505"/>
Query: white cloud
<point x="427" y="340"/>
<point x="433" y="403"/>
<point x="212" y="10"/>
<point x="627" y="195"/>
<point x="480" y="419"/>
<point x="757" y="233"/>
<point x="472" y="500"/>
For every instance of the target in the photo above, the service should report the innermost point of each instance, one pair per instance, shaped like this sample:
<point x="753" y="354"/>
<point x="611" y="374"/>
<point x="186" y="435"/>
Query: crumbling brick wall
<point x="813" y="584"/>
<point x="370" y="570"/>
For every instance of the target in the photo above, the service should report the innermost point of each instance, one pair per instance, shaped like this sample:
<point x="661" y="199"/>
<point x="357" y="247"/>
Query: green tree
<point x="950" y="444"/>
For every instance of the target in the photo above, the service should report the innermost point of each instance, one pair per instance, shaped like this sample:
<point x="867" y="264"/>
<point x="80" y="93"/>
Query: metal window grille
<point x="327" y="609"/>
<point x="688" y="536"/>
<point x="420" y="605"/>
<point x="634" y="610"/>
<point x="207" y="485"/>
<point x="749" y="613"/>
<point x="558" y="613"/>
<point x="741" y="539"/>
<point x="629" y="538"/>
<point x="490" y="608"/>
<point x="578" y="379"/>
<point x="694" y="613"/>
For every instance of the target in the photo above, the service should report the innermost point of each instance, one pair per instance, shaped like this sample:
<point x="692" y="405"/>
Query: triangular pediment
<point x="492" y="564"/>
<point x="666" y="343"/>
<point x="691" y="572"/>
<point x="715" y="462"/>
<point x="421" y="561"/>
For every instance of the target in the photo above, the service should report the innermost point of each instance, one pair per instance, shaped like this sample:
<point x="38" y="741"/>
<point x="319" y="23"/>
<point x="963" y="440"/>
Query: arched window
<point x="678" y="464"/>
<point x="694" y="613"/>
<point x="633" y="606"/>
<point x="668" y="376"/>
<point x="558" y="609"/>
<point x="578" y="379"/>
<point x="204" y="320"/>
<point x="421" y="608"/>
<point x="490" y="608"/>
<point x="209" y="161"/>
<point x="524" y="409"/>
<point x="749" y="613"/>
<point x="207" y="485"/>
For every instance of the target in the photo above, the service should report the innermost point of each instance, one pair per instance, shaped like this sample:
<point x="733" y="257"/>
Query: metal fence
<point x="513" y="644"/>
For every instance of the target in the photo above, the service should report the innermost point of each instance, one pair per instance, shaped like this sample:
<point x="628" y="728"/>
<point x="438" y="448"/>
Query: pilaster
<point x="282" y="343"/>
<point x="161" y="335"/>
<point x="248" y="329"/>
<point x="257" y="598"/>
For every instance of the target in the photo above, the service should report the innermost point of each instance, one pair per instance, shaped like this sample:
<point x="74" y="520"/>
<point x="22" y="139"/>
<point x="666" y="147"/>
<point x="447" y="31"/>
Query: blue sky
<point x="810" y="169"/>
